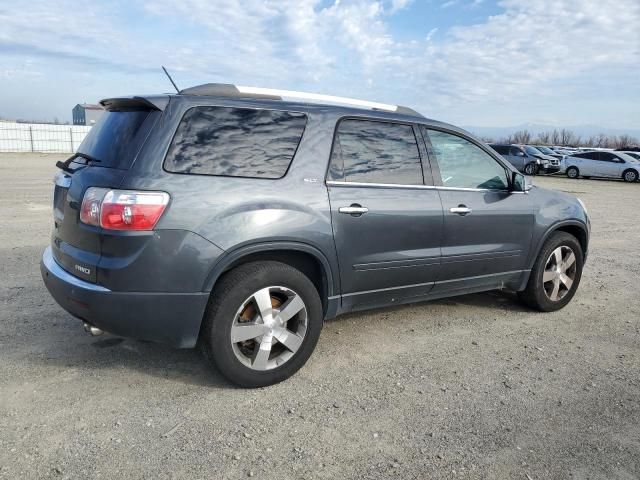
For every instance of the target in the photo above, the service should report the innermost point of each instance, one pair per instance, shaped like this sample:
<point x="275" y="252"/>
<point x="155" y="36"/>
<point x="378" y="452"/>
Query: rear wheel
<point x="555" y="275"/>
<point x="572" y="172"/>
<point x="630" y="176"/>
<point x="530" y="169"/>
<point x="262" y="323"/>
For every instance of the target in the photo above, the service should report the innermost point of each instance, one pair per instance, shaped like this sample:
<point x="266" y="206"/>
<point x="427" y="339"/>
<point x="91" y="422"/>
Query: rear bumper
<point x="171" y="318"/>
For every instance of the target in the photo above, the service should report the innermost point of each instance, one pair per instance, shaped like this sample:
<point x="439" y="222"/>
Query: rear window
<point x="117" y="136"/>
<point x="235" y="142"/>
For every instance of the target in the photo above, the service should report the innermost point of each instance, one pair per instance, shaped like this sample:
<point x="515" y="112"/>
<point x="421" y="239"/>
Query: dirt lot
<point x="471" y="387"/>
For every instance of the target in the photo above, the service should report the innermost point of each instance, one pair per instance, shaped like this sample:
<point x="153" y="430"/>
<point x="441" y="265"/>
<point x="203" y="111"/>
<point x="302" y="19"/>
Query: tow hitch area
<point x="91" y="330"/>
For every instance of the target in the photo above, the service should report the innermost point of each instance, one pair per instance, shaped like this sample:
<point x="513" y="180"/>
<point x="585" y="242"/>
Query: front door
<point x="487" y="229"/>
<point x="387" y="224"/>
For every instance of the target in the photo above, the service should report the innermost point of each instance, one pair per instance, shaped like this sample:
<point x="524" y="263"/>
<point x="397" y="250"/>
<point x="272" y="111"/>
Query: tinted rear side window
<point x="117" y="136"/>
<point x="376" y="152"/>
<point x="235" y="142"/>
<point x="501" y="149"/>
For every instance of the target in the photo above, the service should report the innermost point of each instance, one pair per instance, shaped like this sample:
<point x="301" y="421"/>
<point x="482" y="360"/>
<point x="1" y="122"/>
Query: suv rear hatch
<point x="102" y="160"/>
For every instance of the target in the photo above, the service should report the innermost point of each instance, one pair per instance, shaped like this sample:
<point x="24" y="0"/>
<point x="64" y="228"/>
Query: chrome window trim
<point x="333" y="183"/>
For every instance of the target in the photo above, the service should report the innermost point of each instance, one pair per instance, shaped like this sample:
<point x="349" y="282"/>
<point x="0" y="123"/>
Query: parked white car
<point x="635" y="155"/>
<point x="602" y="164"/>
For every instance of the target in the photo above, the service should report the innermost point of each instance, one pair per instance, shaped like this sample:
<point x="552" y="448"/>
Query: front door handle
<point x="355" y="209"/>
<point x="461" y="210"/>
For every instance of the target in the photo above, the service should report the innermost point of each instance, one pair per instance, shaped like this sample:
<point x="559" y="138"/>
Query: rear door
<point x="587" y="163"/>
<point x="386" y="215"/>
<point x="111" y="147"/>
<point x="609" y="165"/>
<point x="487" y="229"/>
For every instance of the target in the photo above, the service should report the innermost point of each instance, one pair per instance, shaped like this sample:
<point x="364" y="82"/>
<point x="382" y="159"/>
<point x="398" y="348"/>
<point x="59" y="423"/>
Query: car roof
<point x="257" y="97"/>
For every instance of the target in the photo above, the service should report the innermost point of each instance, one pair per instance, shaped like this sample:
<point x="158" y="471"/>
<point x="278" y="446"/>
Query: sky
<point x="468" y="62"/>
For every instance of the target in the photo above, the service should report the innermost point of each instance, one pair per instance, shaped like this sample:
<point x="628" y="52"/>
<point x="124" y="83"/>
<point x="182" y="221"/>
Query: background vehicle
<point x="548" y="151"/>
<point x="230" y="218"/>
<point x="602" y="164"/>
<point x="527" y="159"/>
<point x="632" y="154"/>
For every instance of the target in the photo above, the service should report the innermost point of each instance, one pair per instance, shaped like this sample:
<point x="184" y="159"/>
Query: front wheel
<point x="556" y="274"/>
<point x="530" y="169"/>
<point x="262" y="323"/>
<point x="630" y="176"/>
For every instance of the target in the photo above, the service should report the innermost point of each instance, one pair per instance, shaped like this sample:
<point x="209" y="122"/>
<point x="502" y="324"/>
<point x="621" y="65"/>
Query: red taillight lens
<point x="123" y="209"/>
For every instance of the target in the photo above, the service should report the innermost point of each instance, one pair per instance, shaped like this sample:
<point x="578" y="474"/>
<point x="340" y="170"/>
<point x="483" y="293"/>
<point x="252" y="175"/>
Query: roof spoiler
<point x="158" y="102"/>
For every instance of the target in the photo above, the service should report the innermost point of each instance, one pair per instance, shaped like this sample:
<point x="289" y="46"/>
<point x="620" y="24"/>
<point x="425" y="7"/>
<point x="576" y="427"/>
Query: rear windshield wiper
<point x="64" y="166"/>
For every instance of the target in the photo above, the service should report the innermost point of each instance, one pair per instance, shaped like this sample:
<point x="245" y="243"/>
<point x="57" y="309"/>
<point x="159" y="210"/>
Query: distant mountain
<point x="535" y="128"/>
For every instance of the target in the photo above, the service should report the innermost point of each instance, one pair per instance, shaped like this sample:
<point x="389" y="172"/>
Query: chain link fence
<point x="40" y="137"/>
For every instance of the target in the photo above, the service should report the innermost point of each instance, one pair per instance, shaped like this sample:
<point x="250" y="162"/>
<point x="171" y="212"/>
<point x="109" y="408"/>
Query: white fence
<point x="41" y="137"/>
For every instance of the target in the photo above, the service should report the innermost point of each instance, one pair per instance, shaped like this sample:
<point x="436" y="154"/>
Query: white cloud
<point x="345" y="47"/>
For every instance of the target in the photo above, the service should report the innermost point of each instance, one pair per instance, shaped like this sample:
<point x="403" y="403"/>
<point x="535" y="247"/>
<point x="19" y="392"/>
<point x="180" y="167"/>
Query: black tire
<point x="530" y="169"/>
<point x="230" y="293"/>
<point x="534" y="295"/>
<point x="573" y="172"/>
<point x="630" y="176"/>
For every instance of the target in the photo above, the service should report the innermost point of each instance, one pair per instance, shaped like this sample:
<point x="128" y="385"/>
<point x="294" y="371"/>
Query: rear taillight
<point x="122" y="209"/>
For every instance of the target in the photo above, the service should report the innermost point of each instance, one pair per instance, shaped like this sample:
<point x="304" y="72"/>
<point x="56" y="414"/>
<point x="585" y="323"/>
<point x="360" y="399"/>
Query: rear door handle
<point x="461" y="210"/>
<point x="354" y="209"/>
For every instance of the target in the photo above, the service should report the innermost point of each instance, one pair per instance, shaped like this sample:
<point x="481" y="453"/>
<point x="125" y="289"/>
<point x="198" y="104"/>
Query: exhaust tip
<point x="91" y="330"/>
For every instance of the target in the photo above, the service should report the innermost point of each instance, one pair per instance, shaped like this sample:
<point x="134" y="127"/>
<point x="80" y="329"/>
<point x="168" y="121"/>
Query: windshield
<point x="546" y="150"/>
<point x="635" y="155"/>
<point x="116" y="138"/>
<point x="627" y="158"/>
<point x="531" y="150"/>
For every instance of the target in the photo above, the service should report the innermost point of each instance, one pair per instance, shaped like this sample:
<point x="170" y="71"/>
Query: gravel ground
<point x="470" y="387"/>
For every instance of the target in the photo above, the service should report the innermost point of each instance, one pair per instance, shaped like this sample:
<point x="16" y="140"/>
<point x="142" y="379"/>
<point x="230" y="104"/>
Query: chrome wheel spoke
<point x="548" y="276"/>
<point x="263" y="302"/>
<point x="287" y="338"/>
<point x="571" y="259"/>
<point x="291" y="308"/>
<point x="241" y="333"/>
<point x="557" y="253"/>
<point x="261" y="356"/>
<point x="566" y="280"/>
<point x="556" y="289"/>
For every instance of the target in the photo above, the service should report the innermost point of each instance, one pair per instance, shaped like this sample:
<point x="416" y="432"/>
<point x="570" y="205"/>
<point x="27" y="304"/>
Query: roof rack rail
<point x="229" y="90"/>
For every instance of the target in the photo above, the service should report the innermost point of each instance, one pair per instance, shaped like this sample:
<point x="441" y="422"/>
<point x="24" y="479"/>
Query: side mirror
<point x="521" y="153"/>
<point x="520" y="182"/>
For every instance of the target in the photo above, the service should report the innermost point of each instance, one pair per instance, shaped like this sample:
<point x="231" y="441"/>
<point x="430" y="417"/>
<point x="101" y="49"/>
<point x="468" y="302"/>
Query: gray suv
<point x="238" y="220"/>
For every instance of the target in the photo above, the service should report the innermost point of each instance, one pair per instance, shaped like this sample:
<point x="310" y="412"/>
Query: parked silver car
<point x="550" y="152"/>
<point x="527" y="159"/>
<point x="602" y="164"/>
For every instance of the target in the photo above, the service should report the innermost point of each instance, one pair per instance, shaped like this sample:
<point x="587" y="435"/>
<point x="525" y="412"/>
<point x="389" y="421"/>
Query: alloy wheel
<point x="269" y="328"/>
<point x="559" y="273"/>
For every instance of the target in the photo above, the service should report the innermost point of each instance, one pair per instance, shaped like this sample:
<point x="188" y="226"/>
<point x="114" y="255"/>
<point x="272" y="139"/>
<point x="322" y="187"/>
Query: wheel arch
<point x="573" y="227"/>
<point x="304" y="257"/>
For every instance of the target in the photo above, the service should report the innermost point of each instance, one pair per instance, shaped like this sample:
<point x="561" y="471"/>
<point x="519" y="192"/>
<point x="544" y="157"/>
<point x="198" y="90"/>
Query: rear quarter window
<point x="117" y="137"/>
<point x="235" y="142"/>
